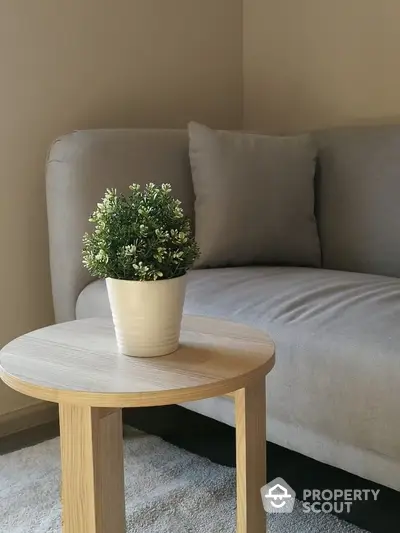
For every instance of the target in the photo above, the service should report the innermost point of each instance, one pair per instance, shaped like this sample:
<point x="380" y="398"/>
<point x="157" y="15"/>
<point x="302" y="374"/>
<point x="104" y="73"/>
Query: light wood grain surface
<point x="92" y="470"/>
<point x="77" y="365"/>
<point x="251" y="465"/>
<point x="78" y="362"/>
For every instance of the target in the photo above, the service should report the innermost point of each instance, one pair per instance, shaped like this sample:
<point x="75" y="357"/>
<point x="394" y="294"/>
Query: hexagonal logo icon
<point x="278" y="497"/>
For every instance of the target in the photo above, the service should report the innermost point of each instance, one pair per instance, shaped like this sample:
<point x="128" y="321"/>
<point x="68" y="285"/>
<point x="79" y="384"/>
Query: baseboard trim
<point x="28" y="417"/>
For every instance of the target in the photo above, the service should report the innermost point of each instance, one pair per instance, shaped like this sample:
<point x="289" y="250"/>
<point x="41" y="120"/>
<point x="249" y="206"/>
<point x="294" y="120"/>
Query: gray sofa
<point x="334" y="394"/>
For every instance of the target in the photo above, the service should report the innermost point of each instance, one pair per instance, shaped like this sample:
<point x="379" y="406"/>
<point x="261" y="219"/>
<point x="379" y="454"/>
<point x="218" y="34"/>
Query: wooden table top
<point x="78" y="362"/>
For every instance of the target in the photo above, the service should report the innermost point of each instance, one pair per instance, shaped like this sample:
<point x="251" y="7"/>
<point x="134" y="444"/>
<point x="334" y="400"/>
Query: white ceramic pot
<point x="147" y="315"/>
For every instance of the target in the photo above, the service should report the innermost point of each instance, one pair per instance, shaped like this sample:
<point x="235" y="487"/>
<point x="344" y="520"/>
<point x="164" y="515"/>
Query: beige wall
<point x="70" y="64"/>
<point x="316" y="63"/>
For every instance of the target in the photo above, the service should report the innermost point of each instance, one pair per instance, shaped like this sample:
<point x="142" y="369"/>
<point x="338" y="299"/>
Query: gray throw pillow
<point x="254" y="198"/>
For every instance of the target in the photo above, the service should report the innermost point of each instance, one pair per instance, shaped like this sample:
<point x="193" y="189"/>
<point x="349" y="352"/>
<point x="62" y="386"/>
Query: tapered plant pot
<point x="147" y="315"/>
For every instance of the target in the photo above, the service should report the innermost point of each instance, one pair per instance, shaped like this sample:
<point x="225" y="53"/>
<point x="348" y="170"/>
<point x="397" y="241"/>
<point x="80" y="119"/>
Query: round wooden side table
<point x="77" y="365"/>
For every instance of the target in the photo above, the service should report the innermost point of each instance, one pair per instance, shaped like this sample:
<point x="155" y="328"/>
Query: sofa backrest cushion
<point x="80" y="167"/>
<point x="358" y="199"/>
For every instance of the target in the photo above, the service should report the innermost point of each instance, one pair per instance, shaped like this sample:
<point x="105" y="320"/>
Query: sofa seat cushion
<point x="338" y="344"/>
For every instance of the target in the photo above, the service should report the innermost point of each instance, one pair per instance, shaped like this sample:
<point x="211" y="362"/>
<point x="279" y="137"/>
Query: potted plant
<point x="143" y="245"/>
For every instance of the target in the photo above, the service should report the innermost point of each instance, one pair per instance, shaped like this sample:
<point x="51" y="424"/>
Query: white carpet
<point x="168" y="490"/>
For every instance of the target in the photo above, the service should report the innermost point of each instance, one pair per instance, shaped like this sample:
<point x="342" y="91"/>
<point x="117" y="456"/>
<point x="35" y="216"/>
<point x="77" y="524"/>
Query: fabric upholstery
<point x="358" y="199"/>
<point x="333" y="394"/>
<point x="80" y="167"/>
<point x="338" y="356"/>
<point x="254" y="198"/>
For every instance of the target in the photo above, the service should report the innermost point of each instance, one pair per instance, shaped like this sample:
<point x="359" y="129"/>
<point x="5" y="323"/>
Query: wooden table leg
<point x="250" y="406"/>
<point x="92" y="470"/>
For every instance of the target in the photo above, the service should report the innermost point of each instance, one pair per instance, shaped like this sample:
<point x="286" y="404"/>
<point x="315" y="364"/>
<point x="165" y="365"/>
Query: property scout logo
<point x="279" y="497"/>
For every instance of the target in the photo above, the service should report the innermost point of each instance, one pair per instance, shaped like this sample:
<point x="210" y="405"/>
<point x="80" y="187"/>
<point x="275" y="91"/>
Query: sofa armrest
<point x="80" y="167"/>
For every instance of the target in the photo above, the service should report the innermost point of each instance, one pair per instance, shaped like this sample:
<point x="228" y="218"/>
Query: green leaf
<point x="140" y="236"/>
